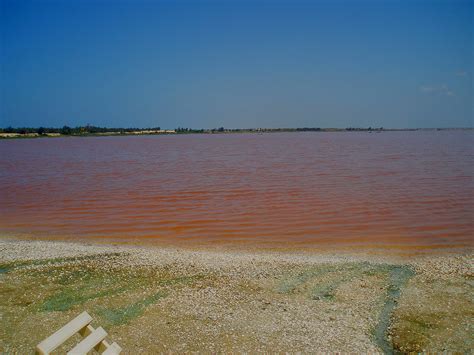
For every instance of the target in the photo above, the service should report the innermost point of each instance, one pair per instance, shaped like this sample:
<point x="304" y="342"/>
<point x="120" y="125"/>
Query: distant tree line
<point x="243" y="130"/>
<point x="202" y="130"/>
<point x="88" y="129"/>
<point x="189" y="130"/>
<point x="79" y="130"/>
<point x="364" y="129"/>
<point x="308" y="129"/>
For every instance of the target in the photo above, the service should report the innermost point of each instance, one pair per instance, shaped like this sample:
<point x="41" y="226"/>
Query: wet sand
<point x="164" y="298"/>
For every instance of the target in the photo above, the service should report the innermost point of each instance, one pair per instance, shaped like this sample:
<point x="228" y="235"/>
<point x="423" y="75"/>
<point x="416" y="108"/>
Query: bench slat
<point x="113" y="349"/>
<point x="63" y="334"/>
<point x="88" y="343"/>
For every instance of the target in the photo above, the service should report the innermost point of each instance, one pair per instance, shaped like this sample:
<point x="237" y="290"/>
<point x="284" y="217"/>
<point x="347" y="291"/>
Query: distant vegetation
<point x="79" y="130"/>
<point x="19" y="132"/>
<point x="88" y="130"/>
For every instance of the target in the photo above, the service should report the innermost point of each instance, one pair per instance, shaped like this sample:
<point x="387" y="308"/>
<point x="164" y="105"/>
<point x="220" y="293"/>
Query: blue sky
<point x="205" y="64"/>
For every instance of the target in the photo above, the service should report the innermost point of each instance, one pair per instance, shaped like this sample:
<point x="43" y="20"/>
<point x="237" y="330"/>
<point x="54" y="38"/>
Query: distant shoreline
<point x="90" y="131"/>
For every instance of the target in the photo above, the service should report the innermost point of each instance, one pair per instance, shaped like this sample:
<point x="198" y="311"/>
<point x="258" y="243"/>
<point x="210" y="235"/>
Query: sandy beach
<point x="161" y="299"/>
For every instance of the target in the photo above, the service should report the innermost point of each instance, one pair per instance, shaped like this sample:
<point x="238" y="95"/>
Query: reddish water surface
<point x="398" y="189"/>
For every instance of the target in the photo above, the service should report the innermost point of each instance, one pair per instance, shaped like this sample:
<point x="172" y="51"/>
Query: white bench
<point x="93" y="338"/>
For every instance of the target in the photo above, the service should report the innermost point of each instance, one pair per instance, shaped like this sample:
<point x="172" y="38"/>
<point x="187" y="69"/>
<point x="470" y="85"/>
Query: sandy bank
<point x="169" y="299"/>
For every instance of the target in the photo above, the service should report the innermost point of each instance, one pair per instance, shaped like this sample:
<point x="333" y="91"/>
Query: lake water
<point x="393" y="189"/>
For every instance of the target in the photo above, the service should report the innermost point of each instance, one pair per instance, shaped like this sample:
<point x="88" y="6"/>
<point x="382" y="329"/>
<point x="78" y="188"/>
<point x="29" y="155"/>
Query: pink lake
<point x="392" y="189"/>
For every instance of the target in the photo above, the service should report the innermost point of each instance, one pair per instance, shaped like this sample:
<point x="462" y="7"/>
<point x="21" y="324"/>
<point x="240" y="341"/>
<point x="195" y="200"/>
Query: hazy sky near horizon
<point x="236" y="64"/>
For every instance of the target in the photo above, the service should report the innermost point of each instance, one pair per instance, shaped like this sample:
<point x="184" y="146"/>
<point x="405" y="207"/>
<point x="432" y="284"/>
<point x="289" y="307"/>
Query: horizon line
<point x="222" y="128"/>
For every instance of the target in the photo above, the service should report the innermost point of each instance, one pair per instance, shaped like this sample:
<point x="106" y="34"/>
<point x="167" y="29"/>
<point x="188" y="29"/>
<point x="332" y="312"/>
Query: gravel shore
<point x="154" y="299"/>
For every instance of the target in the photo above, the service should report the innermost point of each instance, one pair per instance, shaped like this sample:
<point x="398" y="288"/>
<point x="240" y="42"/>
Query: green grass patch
<point x="179" y="280"/>
<point x="66" y="299"/>
<point x="123" y="315"/>
<point x="398" y="278"/>
<point x="326" y="289"/>
<point x="7" y="267"/>
<point x="322" y="282"/>
<point x="79" y="283"/>
<point x="4" y="268"/>
<point x="290" y="283"/>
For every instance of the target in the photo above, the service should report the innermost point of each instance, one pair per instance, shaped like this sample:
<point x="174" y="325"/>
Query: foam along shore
<point x="159" y="299"/>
